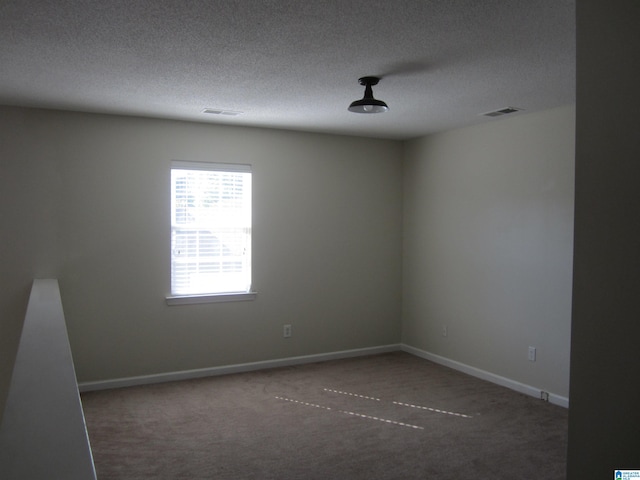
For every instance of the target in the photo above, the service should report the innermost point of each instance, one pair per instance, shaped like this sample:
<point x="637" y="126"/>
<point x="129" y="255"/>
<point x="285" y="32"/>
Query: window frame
<point x="213" y="297"/>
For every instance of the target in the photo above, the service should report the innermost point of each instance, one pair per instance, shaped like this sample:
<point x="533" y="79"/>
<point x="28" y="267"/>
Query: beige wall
<point x="604" y="420"/>
<point x="488" y="231"/>
<point x="30" y="201"/>
<point x="89" y="196"/>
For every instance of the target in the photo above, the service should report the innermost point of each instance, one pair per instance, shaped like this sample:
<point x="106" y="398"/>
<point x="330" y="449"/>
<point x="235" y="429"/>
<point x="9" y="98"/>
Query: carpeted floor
<point x="391" y="416"/>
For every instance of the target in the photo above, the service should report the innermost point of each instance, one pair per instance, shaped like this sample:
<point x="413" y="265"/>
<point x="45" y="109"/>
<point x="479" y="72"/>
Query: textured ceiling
<point x="290" y="64"/>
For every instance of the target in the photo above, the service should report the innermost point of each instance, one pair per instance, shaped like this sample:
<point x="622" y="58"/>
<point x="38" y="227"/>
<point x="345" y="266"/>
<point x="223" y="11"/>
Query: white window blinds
<point x="210" y="228"/>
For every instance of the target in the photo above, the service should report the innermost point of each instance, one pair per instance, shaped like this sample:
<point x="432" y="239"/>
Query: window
<point x="210" y="229"/>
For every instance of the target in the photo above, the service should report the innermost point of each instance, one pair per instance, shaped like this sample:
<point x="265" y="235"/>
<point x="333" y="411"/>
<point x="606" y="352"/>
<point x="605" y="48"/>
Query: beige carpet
<point x="391" y="416"/>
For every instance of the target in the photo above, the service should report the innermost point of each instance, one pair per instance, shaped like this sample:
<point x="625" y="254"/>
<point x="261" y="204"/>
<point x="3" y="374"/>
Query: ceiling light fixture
<point x="368" y="104"/>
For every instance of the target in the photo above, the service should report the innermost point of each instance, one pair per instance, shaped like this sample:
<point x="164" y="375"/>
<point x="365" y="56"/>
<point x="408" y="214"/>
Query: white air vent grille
<point x="218" y="111"/>
<point x="502" y="111"/>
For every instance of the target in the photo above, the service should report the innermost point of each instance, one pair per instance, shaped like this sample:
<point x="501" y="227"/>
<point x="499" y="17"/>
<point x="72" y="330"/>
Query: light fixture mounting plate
<point x="368" y="80"/>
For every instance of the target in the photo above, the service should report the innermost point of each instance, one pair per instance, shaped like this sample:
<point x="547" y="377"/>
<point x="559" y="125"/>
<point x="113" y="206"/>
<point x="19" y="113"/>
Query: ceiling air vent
<point x="502" y="111"/>
<point x="217" y="111"/>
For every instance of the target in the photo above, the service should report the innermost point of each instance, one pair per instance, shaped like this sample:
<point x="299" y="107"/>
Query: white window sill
<point x="211" y="298"/>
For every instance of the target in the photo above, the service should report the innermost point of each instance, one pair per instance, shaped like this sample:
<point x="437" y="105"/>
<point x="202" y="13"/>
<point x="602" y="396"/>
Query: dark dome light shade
<point x="368" y="104"/>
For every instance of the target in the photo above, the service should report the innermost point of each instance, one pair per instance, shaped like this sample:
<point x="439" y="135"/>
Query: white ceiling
<point x="290" y="64"/>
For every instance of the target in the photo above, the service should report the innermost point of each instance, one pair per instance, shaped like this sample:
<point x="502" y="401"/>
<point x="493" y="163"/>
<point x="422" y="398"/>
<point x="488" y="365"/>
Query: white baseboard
<point x="484" y="375"/>
<point x="322" y="357"/>
<point x="237" y="368"/>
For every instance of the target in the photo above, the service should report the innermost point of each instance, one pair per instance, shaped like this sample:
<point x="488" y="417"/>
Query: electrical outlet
<point x="286" y="331"/>
<point x="544" y="396"/>
<point x="445" y="331"/>
<point x="532" y="354"/>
